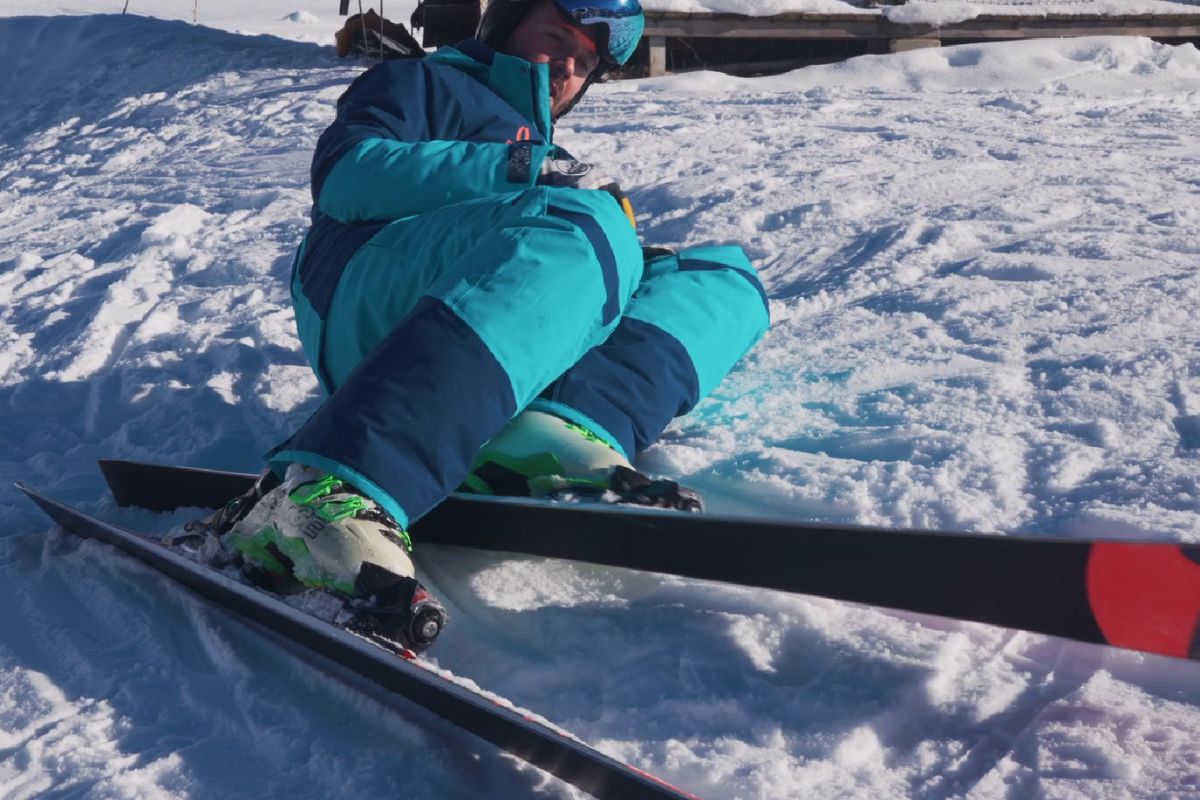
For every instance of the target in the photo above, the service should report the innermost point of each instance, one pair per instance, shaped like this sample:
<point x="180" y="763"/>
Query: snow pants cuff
<point x="406" y="426"/>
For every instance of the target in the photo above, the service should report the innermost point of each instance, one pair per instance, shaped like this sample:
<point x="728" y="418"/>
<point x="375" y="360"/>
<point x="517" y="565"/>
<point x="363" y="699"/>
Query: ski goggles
<point x="622" y="20"/>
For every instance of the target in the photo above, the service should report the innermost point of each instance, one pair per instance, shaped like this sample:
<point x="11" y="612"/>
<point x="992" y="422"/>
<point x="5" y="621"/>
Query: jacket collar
<point x="520" y="84"/>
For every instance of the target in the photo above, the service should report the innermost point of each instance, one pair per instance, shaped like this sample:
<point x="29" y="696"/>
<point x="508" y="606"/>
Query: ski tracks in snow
<point x="981" y="298"/>
<point x="982" y="318"/>
<point x="151" y="237"/>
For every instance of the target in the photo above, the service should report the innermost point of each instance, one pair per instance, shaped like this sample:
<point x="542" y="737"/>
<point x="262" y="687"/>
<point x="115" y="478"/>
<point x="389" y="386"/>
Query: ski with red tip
<point x="1139" y="595"/>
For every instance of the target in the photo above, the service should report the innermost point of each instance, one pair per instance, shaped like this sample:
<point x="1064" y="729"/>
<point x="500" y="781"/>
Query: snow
<point x="982" y="263"/>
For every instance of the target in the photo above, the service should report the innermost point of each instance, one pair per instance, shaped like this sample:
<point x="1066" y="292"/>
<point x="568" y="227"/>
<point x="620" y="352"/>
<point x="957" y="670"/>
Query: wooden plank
<point x="769" y="67"/>
<point x="658" y="55"/>
<point x="1000" y="27"/>
<point x="729" y="26"/>
<point x="915" y="43"/>
<point x="866" y="26"/>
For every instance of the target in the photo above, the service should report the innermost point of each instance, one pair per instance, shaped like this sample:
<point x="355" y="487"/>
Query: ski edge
<point x="534" y="742"/>
<point x="121" y="475"/>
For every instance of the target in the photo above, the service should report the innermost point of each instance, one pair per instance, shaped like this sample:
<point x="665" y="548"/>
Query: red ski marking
<point x="661" y="782"/>
<point x="1145" y="596"/>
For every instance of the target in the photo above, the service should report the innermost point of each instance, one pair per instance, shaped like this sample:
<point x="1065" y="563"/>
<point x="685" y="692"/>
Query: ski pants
<point x="443" y="326"/>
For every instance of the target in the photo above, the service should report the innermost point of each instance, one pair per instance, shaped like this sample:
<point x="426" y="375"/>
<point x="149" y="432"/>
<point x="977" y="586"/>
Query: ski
<point x="540" y="744"/>
<point x="1138" y="595"/>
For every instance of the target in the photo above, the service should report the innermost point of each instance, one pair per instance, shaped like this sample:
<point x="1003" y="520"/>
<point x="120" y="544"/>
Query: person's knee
<point x="741" y="289"/>
<point x="603" y="211"/>
<point x="601" y="227"/>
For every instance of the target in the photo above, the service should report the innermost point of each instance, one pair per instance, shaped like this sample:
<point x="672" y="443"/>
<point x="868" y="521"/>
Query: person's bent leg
<point x="547" y="282"/>
<point x="695" y="314"/>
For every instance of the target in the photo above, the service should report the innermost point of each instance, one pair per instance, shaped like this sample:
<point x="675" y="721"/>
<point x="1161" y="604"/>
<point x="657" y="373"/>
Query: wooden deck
<point x="874" y="33"/>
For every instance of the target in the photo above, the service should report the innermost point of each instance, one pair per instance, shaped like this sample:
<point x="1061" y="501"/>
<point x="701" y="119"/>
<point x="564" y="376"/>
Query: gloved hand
<point x="576" y="174"/>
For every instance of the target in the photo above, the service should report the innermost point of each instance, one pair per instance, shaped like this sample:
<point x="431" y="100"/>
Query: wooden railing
<point x="883" y="35"/>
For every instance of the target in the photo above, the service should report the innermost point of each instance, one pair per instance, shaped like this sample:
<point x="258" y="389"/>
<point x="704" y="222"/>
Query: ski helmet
<point x="614" y="25"/>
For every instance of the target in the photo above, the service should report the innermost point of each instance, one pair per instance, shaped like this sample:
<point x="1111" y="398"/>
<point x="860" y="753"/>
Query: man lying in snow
<point x="478" y="306"/>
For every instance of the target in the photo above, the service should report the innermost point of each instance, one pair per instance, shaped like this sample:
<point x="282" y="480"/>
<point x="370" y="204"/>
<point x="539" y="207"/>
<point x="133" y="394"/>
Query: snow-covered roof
<point x="928" y="11"/>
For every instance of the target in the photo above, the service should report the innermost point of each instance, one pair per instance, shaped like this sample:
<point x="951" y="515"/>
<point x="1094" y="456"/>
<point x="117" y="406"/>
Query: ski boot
<point x="313" y="532"/>
<point x="543" y="455"/>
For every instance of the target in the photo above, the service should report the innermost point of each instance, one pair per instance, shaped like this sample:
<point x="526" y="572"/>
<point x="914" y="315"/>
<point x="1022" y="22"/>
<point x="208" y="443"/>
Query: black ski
<point x="539" y="744"/>
<point x="1133" y="594"/>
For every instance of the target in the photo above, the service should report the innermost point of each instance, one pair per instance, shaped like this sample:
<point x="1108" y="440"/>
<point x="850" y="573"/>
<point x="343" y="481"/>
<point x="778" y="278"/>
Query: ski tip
<point x="164" y="487"/>
<point x="51" y="507"/>
<point x="1147" y="597"/>
<point x="41" y="498"/>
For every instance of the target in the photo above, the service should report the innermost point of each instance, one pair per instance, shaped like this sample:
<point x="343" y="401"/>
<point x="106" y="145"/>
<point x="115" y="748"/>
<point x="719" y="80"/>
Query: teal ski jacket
<point x="413" y="136"/>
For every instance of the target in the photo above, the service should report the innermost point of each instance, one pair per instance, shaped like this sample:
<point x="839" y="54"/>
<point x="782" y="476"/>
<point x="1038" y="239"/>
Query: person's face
<point x="546" y="36"/>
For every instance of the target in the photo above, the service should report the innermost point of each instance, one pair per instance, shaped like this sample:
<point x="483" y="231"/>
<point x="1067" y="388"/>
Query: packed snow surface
<point x="983" y="269"/>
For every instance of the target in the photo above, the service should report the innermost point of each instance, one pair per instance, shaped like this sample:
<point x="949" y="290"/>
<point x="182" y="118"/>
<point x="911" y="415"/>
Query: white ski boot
<point x="316" y="532"/>
<point x="543" y="455"/>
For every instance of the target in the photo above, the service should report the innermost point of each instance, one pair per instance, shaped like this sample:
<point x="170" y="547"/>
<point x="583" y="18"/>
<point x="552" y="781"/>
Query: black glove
<point x="575" y="174"/>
